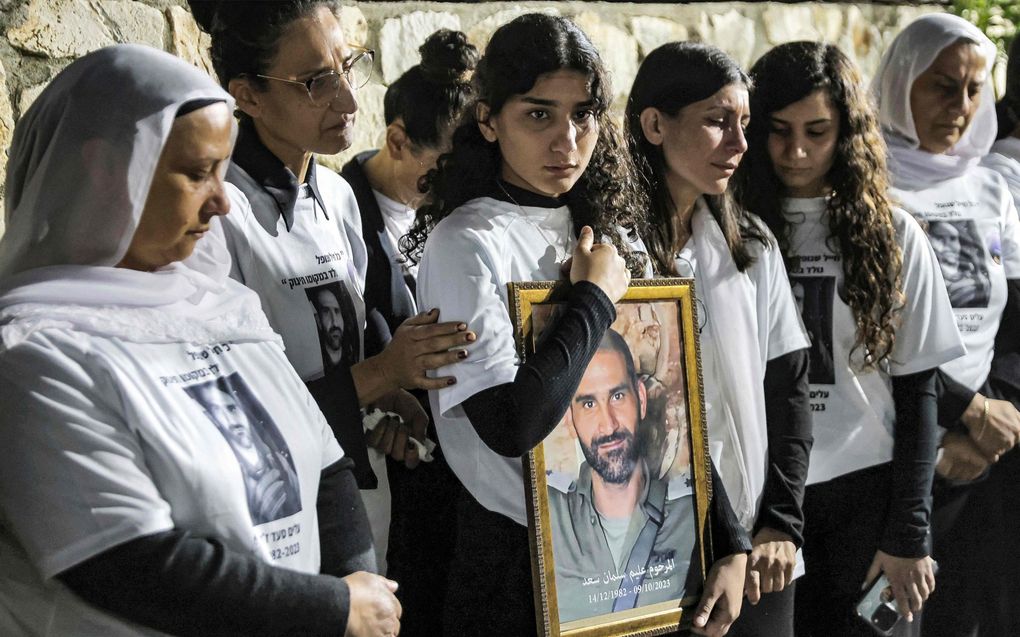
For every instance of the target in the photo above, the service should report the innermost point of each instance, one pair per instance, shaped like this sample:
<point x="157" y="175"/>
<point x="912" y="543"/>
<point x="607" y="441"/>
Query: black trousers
<point x="977" y="545"/>
<point x="489" y="591"/>
<point x="771" y="617"/>
<point x="844" y="520"/>
<point x="422" y="538"/>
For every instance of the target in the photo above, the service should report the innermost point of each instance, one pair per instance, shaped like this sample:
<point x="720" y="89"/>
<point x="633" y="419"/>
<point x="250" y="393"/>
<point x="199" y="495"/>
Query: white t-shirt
<point x="309" y="276"/>
<point x="310" y="280"/>
<point x="1005" y="160"/>
<point x="469" y="258"/>
<point x="974" y="230"/>
<point x="853" y="410"/>
<point x="779" y="332"/>
<point x="107" y="441"/>
<point x="397" y="219"/>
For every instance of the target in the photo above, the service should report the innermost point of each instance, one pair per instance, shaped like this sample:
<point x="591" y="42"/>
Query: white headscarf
<point x="911" y="53"/>
<point x="71" y="213"/>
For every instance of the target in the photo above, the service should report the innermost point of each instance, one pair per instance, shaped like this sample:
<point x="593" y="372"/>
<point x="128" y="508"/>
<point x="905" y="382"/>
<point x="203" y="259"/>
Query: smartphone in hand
<point x="877" y="607"/>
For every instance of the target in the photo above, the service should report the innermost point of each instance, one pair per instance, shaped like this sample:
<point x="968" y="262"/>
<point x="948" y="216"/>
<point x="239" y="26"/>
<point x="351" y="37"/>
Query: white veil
<point x="72" y="211"/>
<point x="909" y="55"/>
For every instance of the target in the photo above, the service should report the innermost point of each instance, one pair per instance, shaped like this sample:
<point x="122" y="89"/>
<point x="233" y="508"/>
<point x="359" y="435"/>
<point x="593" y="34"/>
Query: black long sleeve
<point x="727" y="534"/>
<point x="788" y="418"/>
<point x="510" y="418"/>
<point x="915" y="443"/>
<point x="185" y="585"/>
<point x="345" y="538"/>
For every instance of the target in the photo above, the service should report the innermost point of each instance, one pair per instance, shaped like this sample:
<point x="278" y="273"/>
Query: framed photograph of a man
<point x="619" y="490"/>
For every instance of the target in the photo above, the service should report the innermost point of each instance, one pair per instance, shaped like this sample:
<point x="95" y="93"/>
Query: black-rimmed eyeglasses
<point x="323" y="88"/>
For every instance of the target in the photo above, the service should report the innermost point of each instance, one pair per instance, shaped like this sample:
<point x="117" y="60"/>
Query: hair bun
<point x="447" y="55"/>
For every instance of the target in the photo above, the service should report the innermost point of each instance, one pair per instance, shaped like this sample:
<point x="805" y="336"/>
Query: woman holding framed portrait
<point x="535" y="174"/>
<point x="871" y="295"/>
<point x="686" y="116"/>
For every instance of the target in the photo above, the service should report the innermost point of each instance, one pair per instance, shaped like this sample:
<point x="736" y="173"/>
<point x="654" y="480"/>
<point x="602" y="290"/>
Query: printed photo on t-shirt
<point x="961" y="255"/>
<point x="270" y="480"/>
<point x="337" y="323"/>
<point x="814" y="296"/>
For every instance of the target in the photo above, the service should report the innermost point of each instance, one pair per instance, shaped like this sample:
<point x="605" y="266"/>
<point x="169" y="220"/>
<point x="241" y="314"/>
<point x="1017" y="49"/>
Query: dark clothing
<point x="185" y="585"/>
<point x="846" y="519"/>
<point x="886" y="507"/>
<point x="424" y="499"/>
<point x="788" y="418"/>
<point x="771" y="617"/>
<point x="975" y="525"/>
<point x="389" y="294"/>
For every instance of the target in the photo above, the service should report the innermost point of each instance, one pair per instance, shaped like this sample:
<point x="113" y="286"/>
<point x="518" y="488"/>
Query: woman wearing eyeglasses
<point x="295" y="235"/>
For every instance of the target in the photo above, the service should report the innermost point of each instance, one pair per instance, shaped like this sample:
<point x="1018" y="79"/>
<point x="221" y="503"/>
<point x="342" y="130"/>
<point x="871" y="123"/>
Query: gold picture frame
<point x="657" y="321"/>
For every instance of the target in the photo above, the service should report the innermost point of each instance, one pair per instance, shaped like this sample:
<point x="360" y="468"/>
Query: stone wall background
<point x="40" y="37"/>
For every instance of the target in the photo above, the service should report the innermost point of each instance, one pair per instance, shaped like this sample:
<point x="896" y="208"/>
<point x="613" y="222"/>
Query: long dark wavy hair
<point x="672" y="77"/>
<point x="605" y="197"/>
<point x="861" y="227"/>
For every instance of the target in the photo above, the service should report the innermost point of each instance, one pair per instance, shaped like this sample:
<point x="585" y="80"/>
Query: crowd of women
<point x="226" y="423"/>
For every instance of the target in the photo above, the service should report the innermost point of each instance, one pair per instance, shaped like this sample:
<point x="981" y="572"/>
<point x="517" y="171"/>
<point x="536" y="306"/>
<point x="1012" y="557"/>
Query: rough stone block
<point x="617" y="48"/>
<point x="732" y="32"/>
<point x="354" y="25"/>
<point x="651" y="33"/>
<point x="786" y="23"/>
<point x="400" y="38"/>
<point x="6" y="130"/>
<point x="187" y="40"/>
<point x="60" y="29"/>
<point x="133" y="22"/>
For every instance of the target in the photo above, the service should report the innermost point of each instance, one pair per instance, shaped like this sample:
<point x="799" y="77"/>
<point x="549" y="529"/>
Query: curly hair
<point x="605" y="197"/>
<point x="671" y="78"/>
<point x="859" y="210"/>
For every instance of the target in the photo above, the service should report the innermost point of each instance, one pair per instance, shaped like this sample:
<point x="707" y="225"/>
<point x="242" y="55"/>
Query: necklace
<point x="552" y="240"/>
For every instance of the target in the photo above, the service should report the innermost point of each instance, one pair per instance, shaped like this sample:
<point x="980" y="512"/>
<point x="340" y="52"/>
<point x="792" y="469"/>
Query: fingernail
<point x="410" y="445"/>
<point x="462" y="326"/>
<point x="451" y="381"/>
<point x="462" y="354"/>
<point x="470" y="337"/>
<point x="434" y="310"/>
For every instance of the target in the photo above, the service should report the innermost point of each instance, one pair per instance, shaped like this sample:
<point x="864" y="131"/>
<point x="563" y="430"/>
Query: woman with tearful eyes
<point x="536" y="174"/>
<point x="295" y="236"/>
<point x="166" y="471"/>
<point x="686" y="117"/>
<point x="871" y="295"/>
<point x="938" y="118"/>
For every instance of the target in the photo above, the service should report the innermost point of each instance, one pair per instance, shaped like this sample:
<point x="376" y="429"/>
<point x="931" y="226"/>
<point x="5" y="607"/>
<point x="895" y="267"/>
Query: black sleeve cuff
<point x="953" y="399"/>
